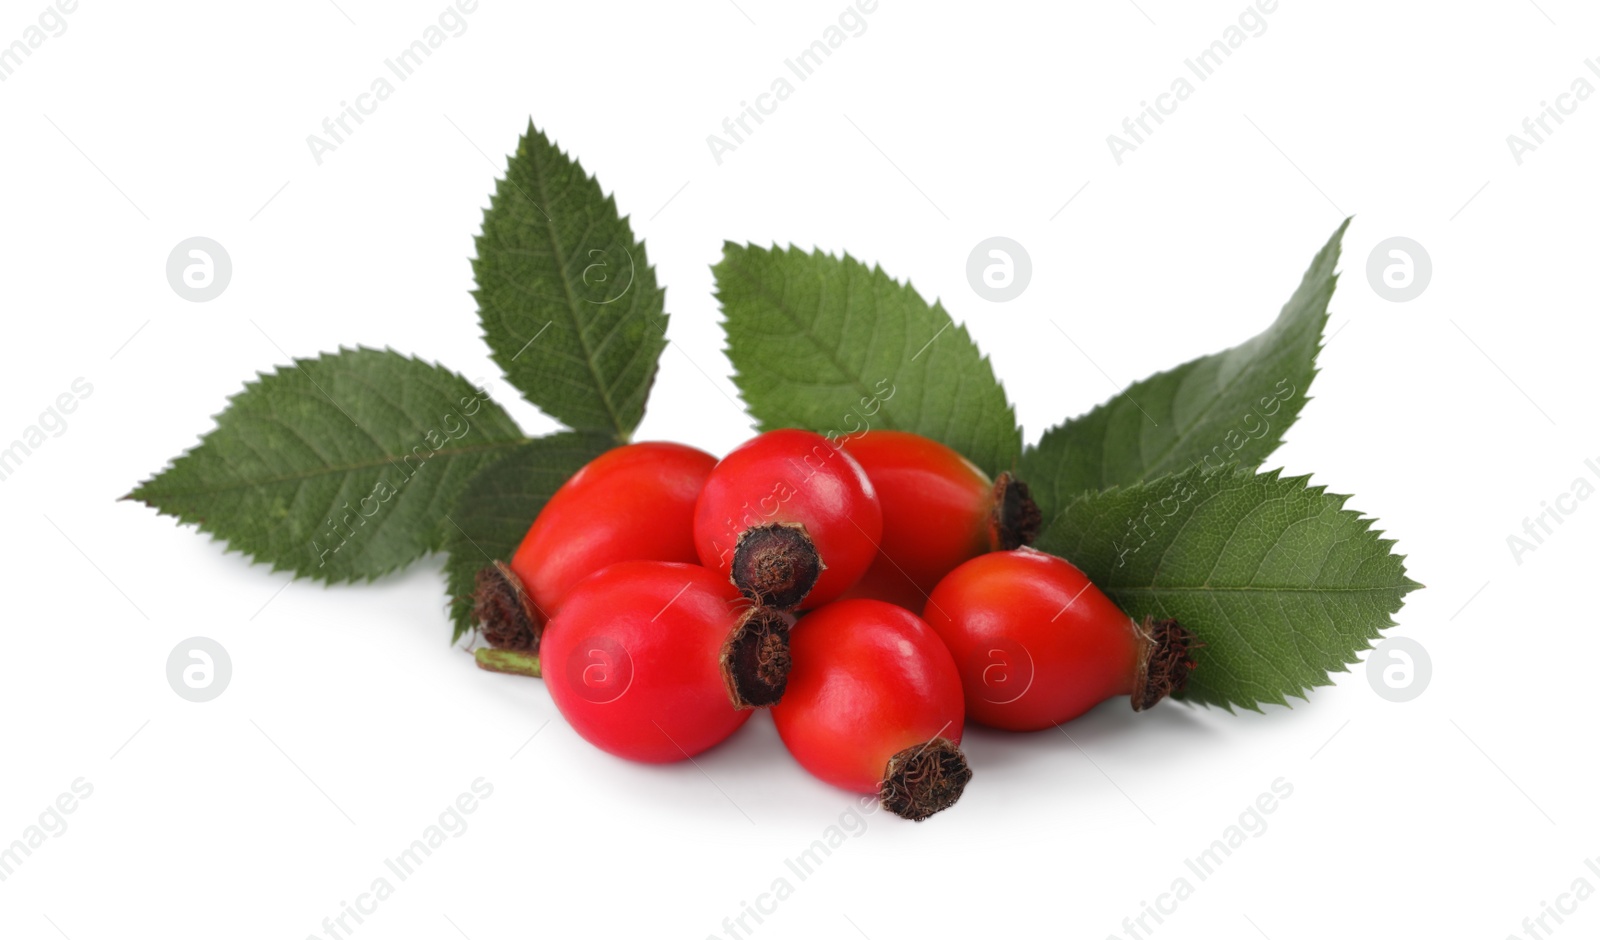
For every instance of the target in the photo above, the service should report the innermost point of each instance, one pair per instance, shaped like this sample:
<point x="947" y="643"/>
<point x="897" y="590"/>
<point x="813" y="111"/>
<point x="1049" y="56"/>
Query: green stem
<point x="508" y="661"/>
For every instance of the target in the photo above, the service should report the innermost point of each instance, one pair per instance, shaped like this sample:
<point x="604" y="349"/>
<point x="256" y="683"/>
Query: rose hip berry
<point x="874" y="706"/>
<point x="1038" y="644"/>
<point x="790" y="518"/>
<point x="634" y="503"/>
<point x="646" y="659"/>
<point x="938" y="511"/>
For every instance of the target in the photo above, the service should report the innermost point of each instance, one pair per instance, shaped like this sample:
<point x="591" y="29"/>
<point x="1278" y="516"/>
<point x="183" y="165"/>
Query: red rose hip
<point x="874" y="705"/>
<point x="938" y="511"/>
<point x="646" y="658"/>
<point x="633" y="503"/>
<point x="1038" y="644"/>
<point x="788" y="517"/>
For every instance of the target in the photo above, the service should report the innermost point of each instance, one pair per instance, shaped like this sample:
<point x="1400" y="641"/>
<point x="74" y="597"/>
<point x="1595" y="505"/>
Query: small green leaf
<point x="834" y="346"/>
<point x="1280" y="583"/>
<point x="1228" y="407"/>
<point x="338" y="468"/>
<point x="500" y="502"/>
<point x="567" y="298"/>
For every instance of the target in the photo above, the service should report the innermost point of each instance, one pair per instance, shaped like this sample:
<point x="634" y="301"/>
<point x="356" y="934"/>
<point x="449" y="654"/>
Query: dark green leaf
<point x="1228" y="407"/>
<point x="834" y="346"/>
<point x="1279" y="581"/>
<point x="339" y="468"/>
<point x="567" y="298"/>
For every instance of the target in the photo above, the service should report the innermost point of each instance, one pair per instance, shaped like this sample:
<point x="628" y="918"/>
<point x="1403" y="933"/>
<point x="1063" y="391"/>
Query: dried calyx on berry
<point x="1166" y="658"/>
<point x="874" y="705"/>
<point x="789" y="518"/>
<point x="505" y="614"/>
<point x="755" y="658"/>
<point x="1015" y="518"/>
<point x="939" y="510"/>
<point x="631" y="503"/>
<point x="752" y="659"/>
<point x="776" y="564"/>
<point x="1039" y="644"/>
<point x="920" y="781"/>
<point x="657" y="661"/>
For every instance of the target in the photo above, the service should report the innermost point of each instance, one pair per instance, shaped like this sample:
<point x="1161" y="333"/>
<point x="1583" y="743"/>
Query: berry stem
<point x="512" y="662"/>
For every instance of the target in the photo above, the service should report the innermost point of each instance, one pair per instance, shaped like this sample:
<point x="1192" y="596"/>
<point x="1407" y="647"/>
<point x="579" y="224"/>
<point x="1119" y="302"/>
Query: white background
<point x="350" y="724"/>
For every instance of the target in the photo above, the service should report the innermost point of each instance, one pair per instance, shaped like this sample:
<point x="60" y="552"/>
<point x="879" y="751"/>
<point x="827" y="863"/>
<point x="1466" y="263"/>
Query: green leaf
<point x="339" y="468"/>
<point x="834" y="346"/>
<point x="1279" y="581"/>
<point x="1228" y="407"/>
<point x="567" y="298"/>
<point x="498" y="505"/>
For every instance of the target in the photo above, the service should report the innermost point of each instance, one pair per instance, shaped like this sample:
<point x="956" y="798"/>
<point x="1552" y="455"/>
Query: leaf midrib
<point x="566" y="286"/>
<point x="1202" y="589"/>
<point x="784" y="308"/>
<point x="1154" y="467"/>
<point x="144" y="494"/>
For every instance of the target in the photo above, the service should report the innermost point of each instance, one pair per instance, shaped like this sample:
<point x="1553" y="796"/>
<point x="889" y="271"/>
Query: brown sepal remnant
<point x="776" y="564"/>
<point x="503" y="610"/>
<point x="1015" y="519"/>
<point x="755" y="659"/>
<point x="1166" y="657"/>
<point x="920" y="781"/>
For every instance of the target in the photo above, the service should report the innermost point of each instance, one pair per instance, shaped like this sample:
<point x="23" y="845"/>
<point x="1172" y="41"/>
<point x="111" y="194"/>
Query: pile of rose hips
<point x="874" y="592"/>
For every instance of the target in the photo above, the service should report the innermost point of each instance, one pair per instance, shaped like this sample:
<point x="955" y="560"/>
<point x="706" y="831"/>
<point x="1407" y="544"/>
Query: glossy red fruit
<point x="643" y="656"/>
<point x="938" y="511"/>
<point x="634" y="503"/>
<point x="874" y="705"/>
<point x="790" y="518"/>
<point x="1038" y="644"/>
